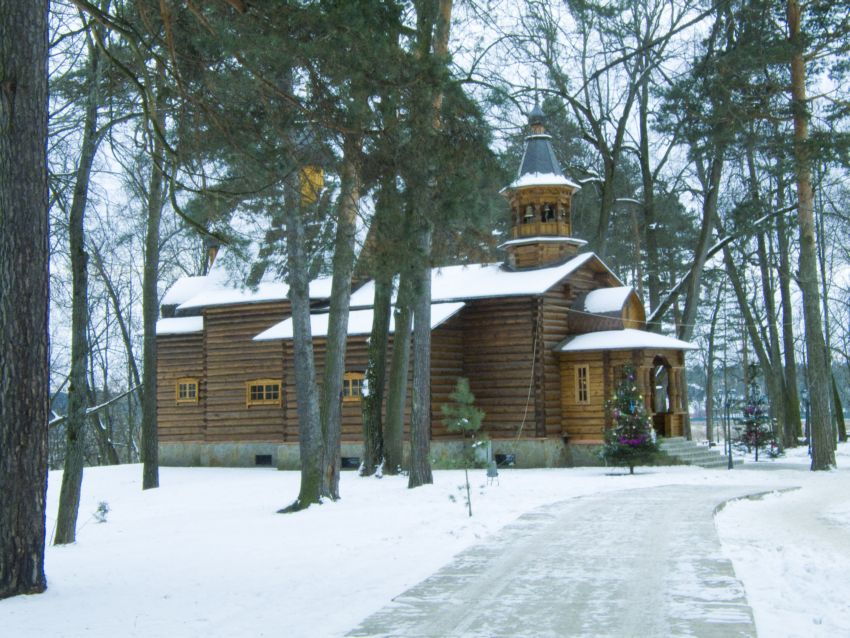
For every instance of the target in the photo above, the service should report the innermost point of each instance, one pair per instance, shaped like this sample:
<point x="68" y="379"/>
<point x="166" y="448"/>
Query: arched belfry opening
<point x="540" y="200"/>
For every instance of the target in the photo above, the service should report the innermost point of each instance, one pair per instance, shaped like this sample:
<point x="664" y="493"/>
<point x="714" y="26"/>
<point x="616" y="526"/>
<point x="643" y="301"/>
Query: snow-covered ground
<point x="206" y="555"/>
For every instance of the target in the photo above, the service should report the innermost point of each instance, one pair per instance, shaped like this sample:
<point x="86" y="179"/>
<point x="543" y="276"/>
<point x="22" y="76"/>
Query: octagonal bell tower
<point x="540" y="200"/>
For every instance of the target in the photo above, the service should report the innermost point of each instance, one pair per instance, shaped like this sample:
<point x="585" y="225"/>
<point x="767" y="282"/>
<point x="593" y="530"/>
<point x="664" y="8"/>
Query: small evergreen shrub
<point x="758" y="432"/>
<point x="461" y="416"/>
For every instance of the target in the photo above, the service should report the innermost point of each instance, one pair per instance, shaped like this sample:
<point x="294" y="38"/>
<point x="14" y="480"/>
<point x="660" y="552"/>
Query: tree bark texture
<point x="397" y="390"/>
<point x="820" y="429"/>
<point x="793" y="420"/>
<point x="75" y="425"/>
<point x="420" y="417"/>
<point x="343" y="267"/>
<point x="309" y="421"/>
<point x="150" y="298"/>
<point x="837" y="412"/>
<point x="439" y="23"/>
<point x="24" y="373"/>
<point x="773" y="372"/>
<point x="373" y="439"/>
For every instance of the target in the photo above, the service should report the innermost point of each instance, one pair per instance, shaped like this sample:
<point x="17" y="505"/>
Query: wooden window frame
<point x="188" y="382"/>
<point x="582" y="384"/>
<point x="265" y="395"/>
<point x="347" y="393"/>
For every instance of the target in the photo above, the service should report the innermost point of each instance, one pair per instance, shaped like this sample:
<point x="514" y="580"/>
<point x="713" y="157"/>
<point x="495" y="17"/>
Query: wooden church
<point x="542" y="338"/>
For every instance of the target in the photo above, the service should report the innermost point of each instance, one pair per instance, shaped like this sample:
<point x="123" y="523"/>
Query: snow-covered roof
<point x="179" y="325"/>
<point x="544" y="240"/>
<point x="187" y="287"/>
<point x="224" y="295"/>
<point x="542" y="179"/>
<point x="603" y="300"/>
<point x="627" y="339"/>
<point x="480" y="281"/>
<point x="359" y="322"/>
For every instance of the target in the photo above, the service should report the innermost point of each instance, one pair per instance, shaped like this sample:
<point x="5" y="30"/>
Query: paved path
<point x="639" y="563"/>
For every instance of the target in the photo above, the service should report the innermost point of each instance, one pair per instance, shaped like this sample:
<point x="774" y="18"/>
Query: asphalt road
<point x="639" y="563"/>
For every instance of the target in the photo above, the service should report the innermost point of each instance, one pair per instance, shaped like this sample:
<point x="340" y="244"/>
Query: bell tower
<point x="540" y="200"/>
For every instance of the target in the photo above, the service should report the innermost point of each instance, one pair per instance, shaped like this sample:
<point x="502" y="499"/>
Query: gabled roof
<point x="482" y="281"/>
<point x="359" y="322"/>
<point x="627" y="339"/>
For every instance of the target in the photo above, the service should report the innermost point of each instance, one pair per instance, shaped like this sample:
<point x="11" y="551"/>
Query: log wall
<point x="447" y="348"/>
<point x="232" y="359"/>
<point x="180" y="356"/>
<point x="498" y="345"/>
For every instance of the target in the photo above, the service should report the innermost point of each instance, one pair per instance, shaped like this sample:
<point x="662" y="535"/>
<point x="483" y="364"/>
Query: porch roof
<point x="626" y="339"/>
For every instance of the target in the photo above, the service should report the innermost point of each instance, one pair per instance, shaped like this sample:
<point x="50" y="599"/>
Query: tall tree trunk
<point x="309" y="421"/>
<point x="420" y="417"/>
<point x="751" y="329"/>
<point x="24" y="372"/>
<point x="343" y="266"/>
<point x="711" y="187"/>
<point x="823" y="455"/>
<point x="793" y="421"/>
<point x="75" y="425"/>
<point x="709" y="370"/>
<point x="383" y="256"/>
<point x="373" y="439"/>
<point x="397" y="390"/>
<point x="774" y="376"/>
<point x="840" y="428"/>
<point x="150" y="297"/>
<point x="648" y="183"/>
<point x="438" y="23"/>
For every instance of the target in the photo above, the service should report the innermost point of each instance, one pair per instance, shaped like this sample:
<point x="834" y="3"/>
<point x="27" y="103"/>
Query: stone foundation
<point x="526" y="453"/>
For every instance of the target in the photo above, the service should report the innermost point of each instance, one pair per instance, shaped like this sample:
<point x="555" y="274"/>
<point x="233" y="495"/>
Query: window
<point x="262" y="392"/>
<point x="186" y="390"/>
<point x="352" y="386"/>
<point x="582" y="374"/>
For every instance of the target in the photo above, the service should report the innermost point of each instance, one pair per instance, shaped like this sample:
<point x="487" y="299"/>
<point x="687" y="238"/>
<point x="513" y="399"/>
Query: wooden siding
<point x="180" y="356"/>
<point x="498" y="345"/>
<point x="539" y="254"/>
<point x="232" y="359"/>
<point x="447" y="345"/>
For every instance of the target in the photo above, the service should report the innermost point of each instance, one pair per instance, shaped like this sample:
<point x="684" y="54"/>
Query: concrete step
<point x="692" y="453"/>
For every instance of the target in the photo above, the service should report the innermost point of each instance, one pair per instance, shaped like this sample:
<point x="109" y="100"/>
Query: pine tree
<point x="463" y="417"/>
<point x="630" y="440"/>
<point x="758" y="432"/>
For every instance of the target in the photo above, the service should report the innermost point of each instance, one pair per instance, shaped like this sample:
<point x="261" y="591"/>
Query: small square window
<point x="186" y="390"/>
<point x="352" y="386"/>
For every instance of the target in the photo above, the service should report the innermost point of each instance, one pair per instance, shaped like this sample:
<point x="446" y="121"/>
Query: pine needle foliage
<point x="630" y="441"/>
<point x="461" y="416"/>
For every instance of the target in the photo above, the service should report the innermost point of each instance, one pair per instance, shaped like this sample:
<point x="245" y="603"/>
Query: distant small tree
<point x="630" y="440"/>
<point x="757" y="432"/>
<point x="463" y="417"/>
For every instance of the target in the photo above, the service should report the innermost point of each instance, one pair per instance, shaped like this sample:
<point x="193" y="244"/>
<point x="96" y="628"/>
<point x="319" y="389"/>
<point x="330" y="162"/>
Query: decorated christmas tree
<point x="630" y="440"/>
<point x="757" y="431"/>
